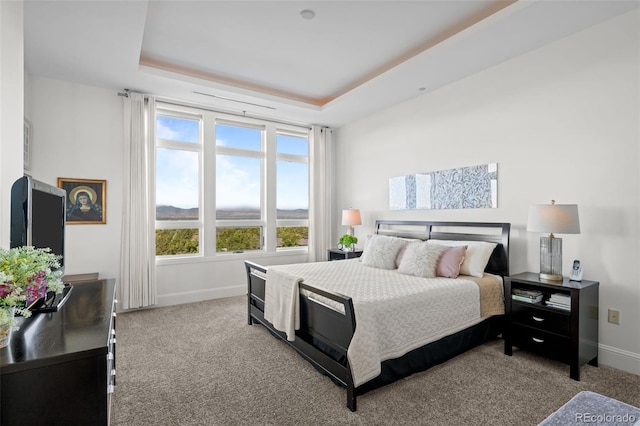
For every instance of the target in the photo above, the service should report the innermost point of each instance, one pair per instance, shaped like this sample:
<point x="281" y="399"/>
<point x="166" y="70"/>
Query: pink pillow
<point x="450" y="261"/>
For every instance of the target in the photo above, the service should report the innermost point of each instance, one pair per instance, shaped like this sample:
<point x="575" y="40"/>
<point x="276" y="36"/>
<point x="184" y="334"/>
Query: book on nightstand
<point x="560" y="298"/>
<point x="529" y="296"/>
<point x="558" y="305"/>
<point x="526" y="299"/>
<point x="560" y="301"/>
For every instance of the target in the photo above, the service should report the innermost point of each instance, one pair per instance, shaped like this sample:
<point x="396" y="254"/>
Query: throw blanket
<point x="395" y="313"/>
<point x="281" y="301"/>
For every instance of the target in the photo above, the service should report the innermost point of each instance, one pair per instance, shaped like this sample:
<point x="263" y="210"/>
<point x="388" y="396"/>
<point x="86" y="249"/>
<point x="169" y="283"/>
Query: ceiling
<point x="262" y="58"/>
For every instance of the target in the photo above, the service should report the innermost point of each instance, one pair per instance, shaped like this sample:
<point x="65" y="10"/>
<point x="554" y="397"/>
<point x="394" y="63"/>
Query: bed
<point x="347" y="317"/>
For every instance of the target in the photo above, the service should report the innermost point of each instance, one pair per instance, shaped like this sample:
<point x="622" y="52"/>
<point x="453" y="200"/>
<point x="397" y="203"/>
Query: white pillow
<point x="380" y="251"/>
<point x="420" y="259"/>
<point x="476" y="257"/>
<point x="405" y="242"/>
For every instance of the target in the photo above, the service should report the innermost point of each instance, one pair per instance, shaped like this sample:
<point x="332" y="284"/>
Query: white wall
<point x="562" y="122"/>
<point x="187" y="281"/>
<point x="77" y="133"/>
<point x="11" y="108"/>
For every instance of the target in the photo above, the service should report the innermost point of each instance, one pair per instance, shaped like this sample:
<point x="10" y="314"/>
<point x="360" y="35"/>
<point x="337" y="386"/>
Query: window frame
<point x="178" y="111"/>
<point x="283" y="223"/>
<point x="248" y="153"/>
<point x="208" y="150"/>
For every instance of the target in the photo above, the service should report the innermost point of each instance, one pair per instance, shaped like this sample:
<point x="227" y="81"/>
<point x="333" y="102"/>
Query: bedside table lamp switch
<point x="552" y="219"/>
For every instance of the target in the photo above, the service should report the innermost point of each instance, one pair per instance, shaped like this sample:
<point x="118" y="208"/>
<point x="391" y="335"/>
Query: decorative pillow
<point x="381" y="251"/>
<point x="450" y="261"/>
<point x="420" y="259"/>
<point x="476" y="257"/>
<point x="405" y="243"/>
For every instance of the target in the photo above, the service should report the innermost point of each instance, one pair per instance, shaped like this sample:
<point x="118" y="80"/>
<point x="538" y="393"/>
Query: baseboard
<point x="619" y="359"/>
<point x="200" y="295"/>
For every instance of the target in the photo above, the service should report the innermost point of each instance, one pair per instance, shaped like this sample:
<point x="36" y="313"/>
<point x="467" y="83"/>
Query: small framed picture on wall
<point x="86" y="200"/>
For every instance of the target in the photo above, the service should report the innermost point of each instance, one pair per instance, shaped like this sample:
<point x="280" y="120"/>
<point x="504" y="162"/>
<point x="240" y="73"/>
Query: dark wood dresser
<point x="59" y="368"/>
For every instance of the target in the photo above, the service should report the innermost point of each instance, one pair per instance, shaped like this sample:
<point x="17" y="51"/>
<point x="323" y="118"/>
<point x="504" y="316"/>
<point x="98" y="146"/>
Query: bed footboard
<point x="324" y="334"/>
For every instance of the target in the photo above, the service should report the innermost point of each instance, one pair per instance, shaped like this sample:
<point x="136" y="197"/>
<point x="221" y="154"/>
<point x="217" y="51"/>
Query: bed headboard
<point x="462" y="231"/>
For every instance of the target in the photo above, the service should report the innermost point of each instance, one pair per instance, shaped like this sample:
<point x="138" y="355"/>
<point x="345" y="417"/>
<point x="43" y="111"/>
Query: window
<point x="239" y="159"/>
<point x="178" y="154"/>
<point x="292" y="171"/>
<point x="227" y="184"/>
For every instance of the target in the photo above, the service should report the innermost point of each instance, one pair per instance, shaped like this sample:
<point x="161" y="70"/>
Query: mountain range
<point x="177" y="213"/>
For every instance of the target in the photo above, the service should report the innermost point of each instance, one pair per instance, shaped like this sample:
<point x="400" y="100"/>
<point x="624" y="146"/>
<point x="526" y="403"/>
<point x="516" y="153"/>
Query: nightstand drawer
<point x="543" y="319"/>
<point x="546" y="344"/>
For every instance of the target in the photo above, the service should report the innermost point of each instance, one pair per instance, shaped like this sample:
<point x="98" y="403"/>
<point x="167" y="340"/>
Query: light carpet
<point x="202" y="364"/>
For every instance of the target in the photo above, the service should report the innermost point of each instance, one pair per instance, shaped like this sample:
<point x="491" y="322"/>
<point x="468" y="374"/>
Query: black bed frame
<point x="325" y="334"/>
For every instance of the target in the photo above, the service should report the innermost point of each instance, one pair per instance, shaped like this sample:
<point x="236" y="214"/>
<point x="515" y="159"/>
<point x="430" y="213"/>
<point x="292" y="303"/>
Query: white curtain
<point x="321" y="193"/>
<point x="137" y="285"/>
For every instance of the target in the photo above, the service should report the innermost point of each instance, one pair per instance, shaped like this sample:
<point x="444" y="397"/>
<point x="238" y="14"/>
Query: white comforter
<point x="395" y="313"/>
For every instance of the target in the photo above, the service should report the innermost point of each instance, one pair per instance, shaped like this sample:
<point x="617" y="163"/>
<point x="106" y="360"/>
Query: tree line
<point x="185" y="241"/>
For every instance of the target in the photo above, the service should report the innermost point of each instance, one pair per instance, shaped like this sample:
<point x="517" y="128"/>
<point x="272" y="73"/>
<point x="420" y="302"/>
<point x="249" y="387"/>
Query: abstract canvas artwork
<point x="472" y="187"/>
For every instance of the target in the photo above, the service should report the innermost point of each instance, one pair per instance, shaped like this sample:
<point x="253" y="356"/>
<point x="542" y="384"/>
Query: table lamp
<point x="350" y="218"/>
<point x="552" y="219"/>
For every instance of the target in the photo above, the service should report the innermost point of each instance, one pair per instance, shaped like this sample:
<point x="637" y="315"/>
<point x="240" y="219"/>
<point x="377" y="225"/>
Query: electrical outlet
<point x="614" y="316"/>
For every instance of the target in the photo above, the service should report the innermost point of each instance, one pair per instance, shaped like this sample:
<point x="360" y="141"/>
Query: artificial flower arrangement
<point x="347" y="241"/>
<point x="26" y="274"/>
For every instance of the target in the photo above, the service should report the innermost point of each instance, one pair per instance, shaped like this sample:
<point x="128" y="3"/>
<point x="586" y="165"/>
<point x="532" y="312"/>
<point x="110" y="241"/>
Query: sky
<point x="237" y="178"/>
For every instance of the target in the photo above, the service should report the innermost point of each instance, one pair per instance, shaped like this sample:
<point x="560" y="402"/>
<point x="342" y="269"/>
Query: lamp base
<point x="551" y="277"/>
<point x="551" y="258"/>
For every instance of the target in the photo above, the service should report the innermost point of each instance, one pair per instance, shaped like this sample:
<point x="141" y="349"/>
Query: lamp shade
<point x="351" y="217"/>
<point x="554" y="218"/>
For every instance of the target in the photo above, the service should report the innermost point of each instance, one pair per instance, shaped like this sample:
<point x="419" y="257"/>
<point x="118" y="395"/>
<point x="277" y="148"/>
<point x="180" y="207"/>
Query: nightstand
<point x="567" y="332"/>
<point x="337" y="254"/>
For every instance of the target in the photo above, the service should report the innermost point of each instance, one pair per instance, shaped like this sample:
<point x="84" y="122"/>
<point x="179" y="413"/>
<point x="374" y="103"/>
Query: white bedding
<point x="395" y="313"/>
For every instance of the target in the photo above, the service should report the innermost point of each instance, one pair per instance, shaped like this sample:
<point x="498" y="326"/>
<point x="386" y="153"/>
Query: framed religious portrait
<point x="86" y="200"/>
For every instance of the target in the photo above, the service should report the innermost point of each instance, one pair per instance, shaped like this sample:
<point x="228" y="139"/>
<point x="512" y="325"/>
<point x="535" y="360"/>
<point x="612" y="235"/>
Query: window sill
<point x="222" y="257"/>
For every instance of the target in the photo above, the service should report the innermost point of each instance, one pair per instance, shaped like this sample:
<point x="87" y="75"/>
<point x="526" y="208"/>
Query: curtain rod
<point x="232" y="112"/>
<point x="125" y="94"/>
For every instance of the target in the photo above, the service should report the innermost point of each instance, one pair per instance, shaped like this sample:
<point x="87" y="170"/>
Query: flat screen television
<point x="38" y="216"/>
